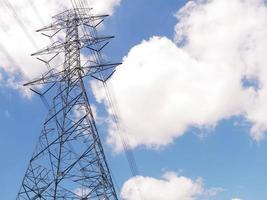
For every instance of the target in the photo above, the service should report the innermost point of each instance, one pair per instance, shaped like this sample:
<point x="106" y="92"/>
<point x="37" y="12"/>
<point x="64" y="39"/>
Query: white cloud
<point x="82" y="192"/>
<point x="229" y="35"/>
<point x="16" y="44"/>
<point x="104" y="6"/>
<point x="80" y="111"/>
<point x="236" y="199"/>
<point x="164" y="86"/>
<point x="171" y="187"/>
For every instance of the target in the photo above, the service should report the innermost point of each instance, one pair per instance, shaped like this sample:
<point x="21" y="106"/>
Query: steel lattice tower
<point x="69" y="161"/>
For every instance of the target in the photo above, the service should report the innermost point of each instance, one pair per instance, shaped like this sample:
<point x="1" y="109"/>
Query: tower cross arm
<point x="50" y="77"/>
<point x="59" y="47"/>
<point x="101" y="72"/>
<point x="56" y="47"/>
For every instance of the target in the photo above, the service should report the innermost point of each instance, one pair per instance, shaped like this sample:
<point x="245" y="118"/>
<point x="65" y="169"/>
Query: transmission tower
<point x="69" y="161"/>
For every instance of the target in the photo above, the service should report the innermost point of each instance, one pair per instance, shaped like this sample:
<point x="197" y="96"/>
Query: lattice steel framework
<point x="69" y="161"/>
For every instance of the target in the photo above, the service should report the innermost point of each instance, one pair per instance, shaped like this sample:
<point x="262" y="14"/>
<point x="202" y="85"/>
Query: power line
<point x="98" y="59"/>
<point x="20" y="23"/>
<point x="127" y="149"/>
<point x="35" y="10"/>
<point x="124" y="140"/>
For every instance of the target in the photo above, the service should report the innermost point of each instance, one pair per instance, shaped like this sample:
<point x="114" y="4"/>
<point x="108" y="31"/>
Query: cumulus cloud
<point x="230" y="35"/>
<point x="236" y="199"/>
<point x="18" y="39"/>
<point x="106" y="6"/>
<point x="214" y="69"/>
<point x="171" y="187"/>
<point x="82" y="192"/>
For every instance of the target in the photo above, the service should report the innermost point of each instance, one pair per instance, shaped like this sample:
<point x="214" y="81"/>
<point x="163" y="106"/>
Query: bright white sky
<point x="191" y="95"/>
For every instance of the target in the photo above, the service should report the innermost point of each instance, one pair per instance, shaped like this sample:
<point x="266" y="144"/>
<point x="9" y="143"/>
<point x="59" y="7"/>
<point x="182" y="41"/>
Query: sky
<point x="190" y="95"/>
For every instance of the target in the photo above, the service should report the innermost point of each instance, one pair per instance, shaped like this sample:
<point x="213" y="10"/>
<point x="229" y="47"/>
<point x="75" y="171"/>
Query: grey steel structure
<point x="69" y="161"/>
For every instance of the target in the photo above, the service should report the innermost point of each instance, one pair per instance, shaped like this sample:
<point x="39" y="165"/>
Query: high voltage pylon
<point x="69" y="161"/>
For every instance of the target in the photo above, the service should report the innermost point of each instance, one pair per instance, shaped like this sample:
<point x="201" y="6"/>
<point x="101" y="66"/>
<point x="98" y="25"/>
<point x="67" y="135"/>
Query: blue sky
<point x="224" y="156"/>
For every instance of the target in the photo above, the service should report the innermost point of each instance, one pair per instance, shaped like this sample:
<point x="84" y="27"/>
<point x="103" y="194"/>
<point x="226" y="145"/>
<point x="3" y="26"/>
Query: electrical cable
<point x="35" y="10"/>
<point x="127" y="149"/>
<point x="20" y="23"/>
